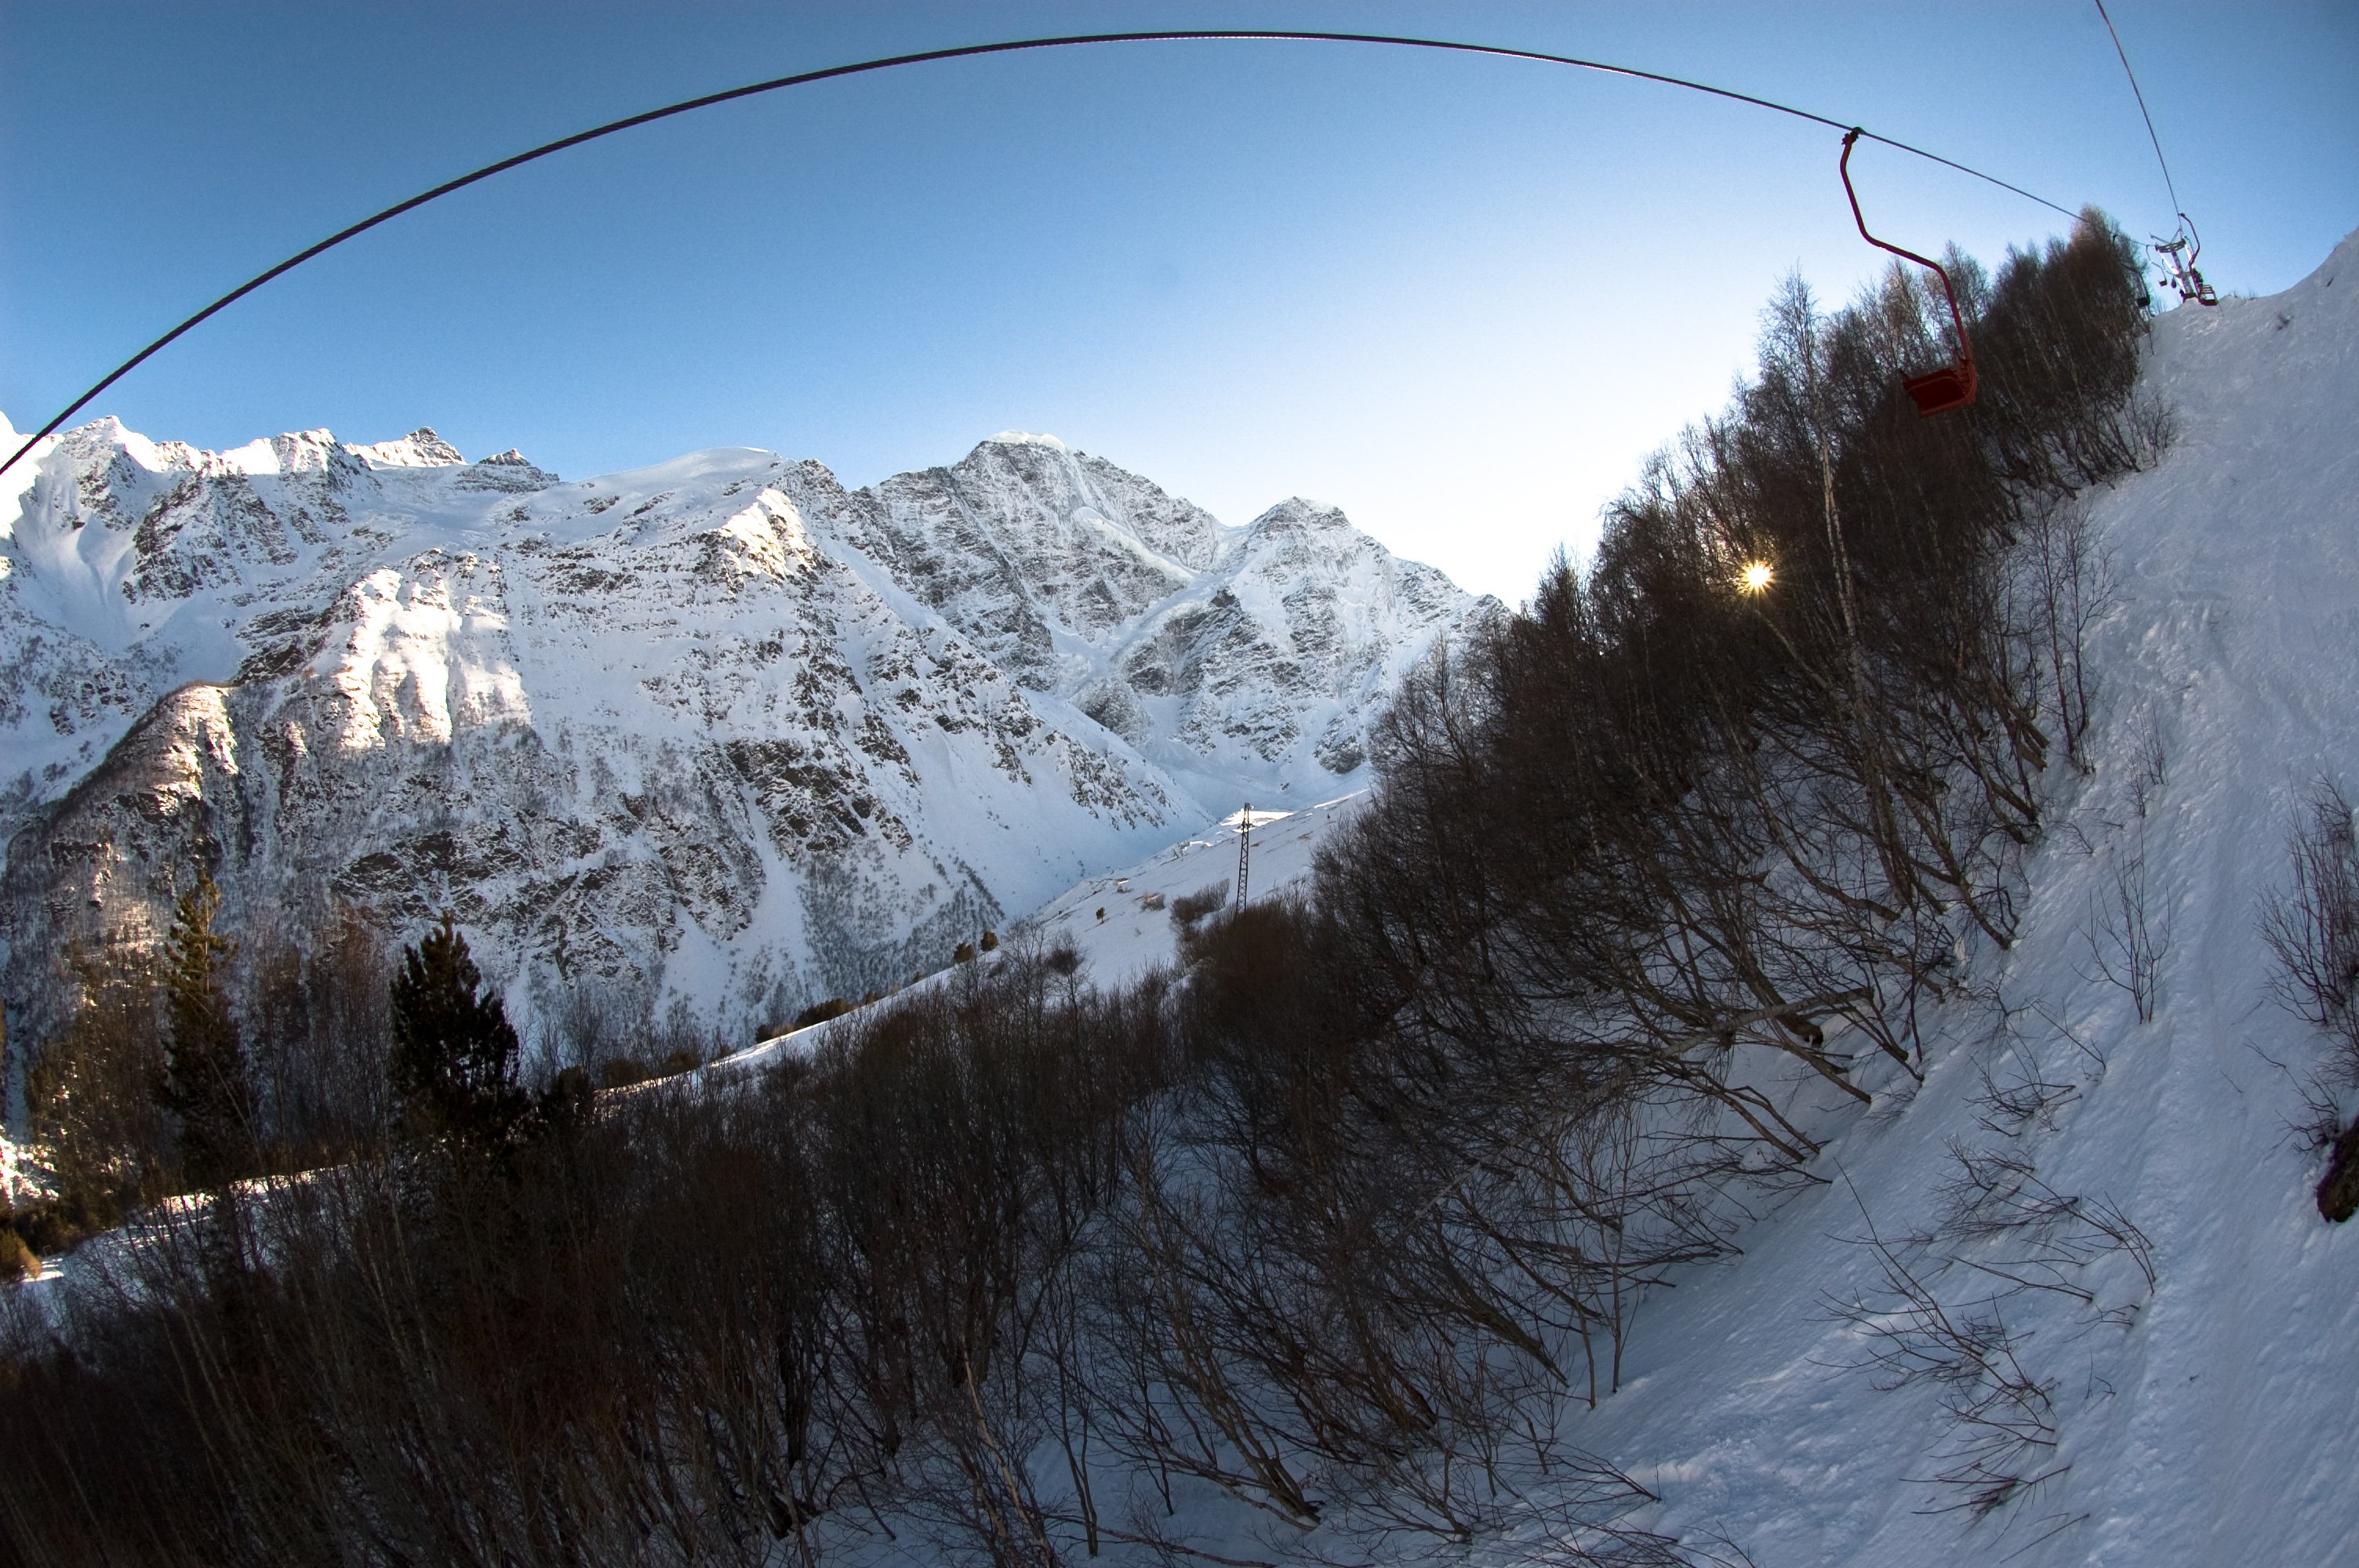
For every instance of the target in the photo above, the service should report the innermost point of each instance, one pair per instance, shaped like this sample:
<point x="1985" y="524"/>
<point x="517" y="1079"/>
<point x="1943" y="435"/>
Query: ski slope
<point x="1121" y="923"/>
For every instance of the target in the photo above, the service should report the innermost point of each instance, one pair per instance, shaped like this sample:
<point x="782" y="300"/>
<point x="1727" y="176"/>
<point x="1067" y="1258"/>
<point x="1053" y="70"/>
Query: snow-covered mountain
<point x="719" y="727"/>
<point x="1233" y="658"/>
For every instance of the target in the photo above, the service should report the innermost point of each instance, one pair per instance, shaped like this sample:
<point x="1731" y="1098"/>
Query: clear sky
<point x="1460" y="298"/>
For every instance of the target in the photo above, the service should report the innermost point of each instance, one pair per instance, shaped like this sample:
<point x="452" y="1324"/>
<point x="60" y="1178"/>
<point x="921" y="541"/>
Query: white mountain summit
<point x="719" y="728"/>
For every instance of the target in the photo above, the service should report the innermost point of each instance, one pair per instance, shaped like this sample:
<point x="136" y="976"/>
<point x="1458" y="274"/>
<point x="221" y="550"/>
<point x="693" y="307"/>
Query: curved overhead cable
<point x="2144" y="113"/>
<point x="959" y="51"/>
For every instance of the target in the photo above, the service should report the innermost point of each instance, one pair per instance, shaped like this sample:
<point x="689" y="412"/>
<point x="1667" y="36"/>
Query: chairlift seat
<point x="2178" y="254"/>
<point x="1940" y="391"/>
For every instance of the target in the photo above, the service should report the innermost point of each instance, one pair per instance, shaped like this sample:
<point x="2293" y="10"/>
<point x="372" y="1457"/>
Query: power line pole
<point x="1245" y="851"/>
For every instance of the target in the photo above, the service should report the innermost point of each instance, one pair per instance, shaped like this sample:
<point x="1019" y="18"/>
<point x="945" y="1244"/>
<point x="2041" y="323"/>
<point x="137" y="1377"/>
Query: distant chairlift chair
<point x="2178" y="254"/>
<point x="1951" y="386"/>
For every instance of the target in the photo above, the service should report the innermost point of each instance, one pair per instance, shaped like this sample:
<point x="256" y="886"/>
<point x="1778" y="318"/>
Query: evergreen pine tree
<point x="95" y="1094"/>
<point x="454" y="1054"/>
<point x="206" y="1084"/>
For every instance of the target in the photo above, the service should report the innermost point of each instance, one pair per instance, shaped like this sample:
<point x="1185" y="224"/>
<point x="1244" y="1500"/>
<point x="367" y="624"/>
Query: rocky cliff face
<point x="721" y="729"/>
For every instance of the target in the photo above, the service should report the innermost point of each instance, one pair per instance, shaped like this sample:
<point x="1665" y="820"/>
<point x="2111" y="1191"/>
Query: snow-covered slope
<point x="1121" y="923"/>
<point x="2210" y="1417"/>
<point x="718" y="729"/>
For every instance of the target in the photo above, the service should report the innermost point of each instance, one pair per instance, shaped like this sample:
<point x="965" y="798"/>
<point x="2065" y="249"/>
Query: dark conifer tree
<point x="454" y="1054"/>
<point x="206" y="1084"/>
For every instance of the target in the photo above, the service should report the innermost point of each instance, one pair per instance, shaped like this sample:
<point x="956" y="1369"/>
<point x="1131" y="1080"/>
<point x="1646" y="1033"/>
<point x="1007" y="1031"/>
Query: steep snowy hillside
<point x="2203" y="1415"/>
<point x="1122" y="923"/>
<point x="717" y="729"/>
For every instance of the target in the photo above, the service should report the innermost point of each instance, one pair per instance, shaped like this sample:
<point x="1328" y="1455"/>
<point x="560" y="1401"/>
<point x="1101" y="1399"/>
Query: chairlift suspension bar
<point x="2177" y="252"/>
<point x="961" y="51"/>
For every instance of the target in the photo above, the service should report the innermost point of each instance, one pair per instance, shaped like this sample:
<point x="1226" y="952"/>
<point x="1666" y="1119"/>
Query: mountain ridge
<point x="718" y="731"/>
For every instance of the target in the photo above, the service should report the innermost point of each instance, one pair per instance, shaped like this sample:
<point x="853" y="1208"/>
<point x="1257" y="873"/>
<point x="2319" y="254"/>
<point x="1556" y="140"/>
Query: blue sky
<point x="1460" y="298"/>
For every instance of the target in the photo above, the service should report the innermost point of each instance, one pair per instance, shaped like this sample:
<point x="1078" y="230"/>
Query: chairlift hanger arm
<point x="1950" y="386"/>
<point x="2177" y="255"/>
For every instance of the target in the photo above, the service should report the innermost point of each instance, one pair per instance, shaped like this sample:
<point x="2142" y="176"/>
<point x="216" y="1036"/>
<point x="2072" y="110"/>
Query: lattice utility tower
<point x="1245" y="851"/>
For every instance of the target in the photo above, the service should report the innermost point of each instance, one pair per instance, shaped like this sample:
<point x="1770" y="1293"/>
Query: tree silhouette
<point x="454" y="1054"/>
<point x="206" y="1081"/>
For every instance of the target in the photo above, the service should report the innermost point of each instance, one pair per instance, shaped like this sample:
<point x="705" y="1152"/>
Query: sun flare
<point x="1755" y="578"/>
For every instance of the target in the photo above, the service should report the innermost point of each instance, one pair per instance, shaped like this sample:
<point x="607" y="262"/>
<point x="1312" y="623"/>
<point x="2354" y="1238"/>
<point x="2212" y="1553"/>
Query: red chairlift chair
<point x="1951" y="386"/>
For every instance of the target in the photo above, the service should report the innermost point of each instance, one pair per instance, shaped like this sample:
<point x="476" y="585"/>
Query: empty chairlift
<point x="1952" y="385"/>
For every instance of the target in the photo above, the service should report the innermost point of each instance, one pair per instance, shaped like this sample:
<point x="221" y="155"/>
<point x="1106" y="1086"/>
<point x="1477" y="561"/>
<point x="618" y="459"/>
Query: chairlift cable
<point x="2177" y="255"/>
<point x="965" y="51"/>
<point x="2134" y="92"/>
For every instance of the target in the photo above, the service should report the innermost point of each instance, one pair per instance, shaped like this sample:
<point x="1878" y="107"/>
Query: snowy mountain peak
<point x="1296" y="513"/>
<point x="421" y="449"/>
<point x="1024" y="438"/>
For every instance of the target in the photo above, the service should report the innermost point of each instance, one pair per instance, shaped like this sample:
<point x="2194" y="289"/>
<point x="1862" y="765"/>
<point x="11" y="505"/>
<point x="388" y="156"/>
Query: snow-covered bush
<point x="2313" y="926"/>
<point x="1189" y="908"/>
<point x="820" y="1012"/>
<point x="90" y="1090"/>
<point x="18" y="1261"/>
